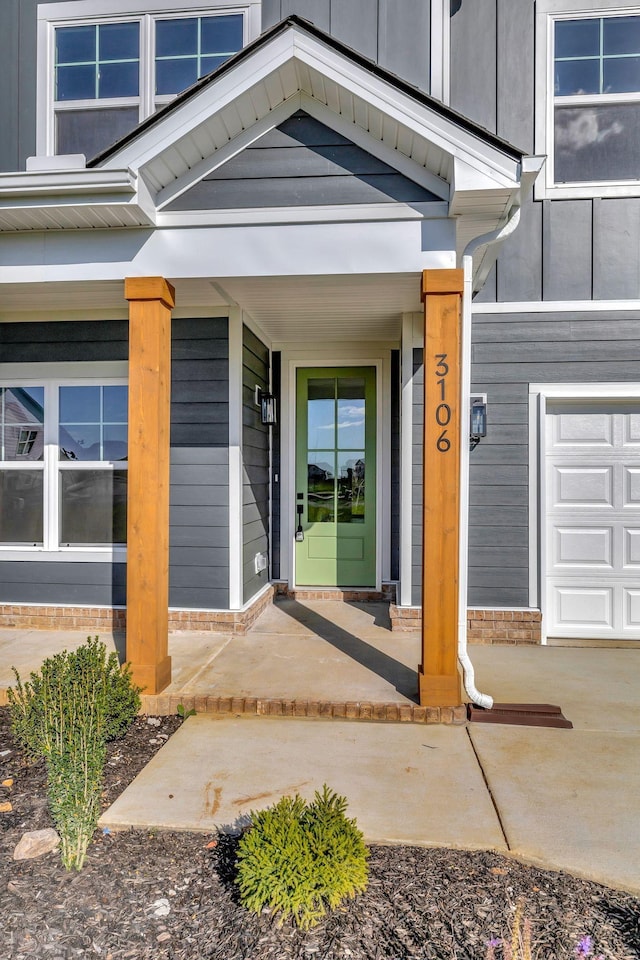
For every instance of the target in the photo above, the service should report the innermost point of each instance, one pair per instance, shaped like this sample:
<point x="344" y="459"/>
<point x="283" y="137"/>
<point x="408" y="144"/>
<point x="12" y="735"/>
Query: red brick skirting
<point x="387" y="593"/>
<point x="483" y="626"/>
<point x="165" y="705"/>
<point x="107" y="620"/>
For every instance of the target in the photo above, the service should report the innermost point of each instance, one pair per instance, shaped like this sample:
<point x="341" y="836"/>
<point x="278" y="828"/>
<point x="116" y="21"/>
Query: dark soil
<point x="421" y="903"/>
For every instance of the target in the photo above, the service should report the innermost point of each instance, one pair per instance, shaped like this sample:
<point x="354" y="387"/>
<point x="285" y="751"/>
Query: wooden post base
<point x="438" y="690"/>
<point x="152" y="677"/>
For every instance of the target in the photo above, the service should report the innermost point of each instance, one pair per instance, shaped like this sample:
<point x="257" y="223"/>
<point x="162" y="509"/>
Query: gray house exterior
<point x="291" y="168"/>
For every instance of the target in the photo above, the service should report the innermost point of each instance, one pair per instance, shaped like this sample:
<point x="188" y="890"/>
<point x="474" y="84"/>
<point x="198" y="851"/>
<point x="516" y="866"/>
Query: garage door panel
<point x="583" y="606"/>
<point x="631" y="486"/>
<point x="577" y="429"/>
<point x="631" y="607"/>
<point x="583" y="547"/>
<point x="582" y="486"/>
<point x="632" y="547"/>
<point x="632" y="429"/>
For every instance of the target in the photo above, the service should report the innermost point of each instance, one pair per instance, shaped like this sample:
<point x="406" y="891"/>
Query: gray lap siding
<point x="255" y="459"/>
<point x="509" y="352"/>
<point x="199" y="514"/>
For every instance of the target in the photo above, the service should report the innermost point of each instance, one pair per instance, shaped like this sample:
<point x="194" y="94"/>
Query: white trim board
<point x="557" y="306"/>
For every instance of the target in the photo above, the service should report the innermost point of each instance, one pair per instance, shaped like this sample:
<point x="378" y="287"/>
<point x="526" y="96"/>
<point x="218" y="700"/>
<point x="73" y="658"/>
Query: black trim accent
<point x="295" y="21"/>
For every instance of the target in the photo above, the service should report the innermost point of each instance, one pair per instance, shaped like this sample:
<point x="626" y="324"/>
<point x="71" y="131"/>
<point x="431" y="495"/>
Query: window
<point x="104" y="68"/>
<point x="591" y="124"/>
<point x="63" y="465"/>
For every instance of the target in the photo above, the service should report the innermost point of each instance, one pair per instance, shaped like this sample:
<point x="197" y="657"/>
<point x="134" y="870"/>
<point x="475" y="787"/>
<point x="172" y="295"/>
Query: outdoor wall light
<point x="267" y="407"/>
<point x="478" y="424"/>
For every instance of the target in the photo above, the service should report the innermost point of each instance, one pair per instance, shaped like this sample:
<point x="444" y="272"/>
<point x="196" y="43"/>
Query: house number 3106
<point x="443" y="410"/>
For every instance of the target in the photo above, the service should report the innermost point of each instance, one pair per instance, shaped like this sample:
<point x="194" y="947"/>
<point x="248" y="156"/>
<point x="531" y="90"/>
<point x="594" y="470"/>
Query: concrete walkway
<point x="565" y="799"/>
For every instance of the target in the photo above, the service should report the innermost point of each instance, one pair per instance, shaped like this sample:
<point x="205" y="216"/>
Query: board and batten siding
<point x="562" y="249"/>
<point x="255" y="465"/>
<point x="199" y="514"/>
<point x="301" y="162"/>
<point x="509" y="352"/>
<point x="394" y="34"/>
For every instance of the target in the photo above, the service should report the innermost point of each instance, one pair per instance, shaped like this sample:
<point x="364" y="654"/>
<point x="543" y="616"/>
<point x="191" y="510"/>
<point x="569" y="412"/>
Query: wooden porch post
<point x="150" y="302"/>
<point x="438" y="674"/>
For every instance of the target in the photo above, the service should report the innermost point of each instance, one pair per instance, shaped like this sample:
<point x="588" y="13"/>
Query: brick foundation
<point x="167" y="705"/>
<point x="386" y="594"/>
<point x="483" y="626"/>
<point x="107" y="620"/>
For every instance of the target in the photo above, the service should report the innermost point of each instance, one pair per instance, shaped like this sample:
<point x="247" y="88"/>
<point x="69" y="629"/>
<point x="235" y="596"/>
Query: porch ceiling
<point x="288" y="309"/>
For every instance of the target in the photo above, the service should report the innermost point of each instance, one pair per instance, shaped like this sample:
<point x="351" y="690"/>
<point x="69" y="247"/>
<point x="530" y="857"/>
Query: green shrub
<point x="301" y="860"/>
<point x="66" y="713"/>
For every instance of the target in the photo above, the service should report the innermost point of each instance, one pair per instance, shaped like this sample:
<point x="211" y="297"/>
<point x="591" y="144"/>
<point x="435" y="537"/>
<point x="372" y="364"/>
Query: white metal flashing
<point x="557" y="306"/>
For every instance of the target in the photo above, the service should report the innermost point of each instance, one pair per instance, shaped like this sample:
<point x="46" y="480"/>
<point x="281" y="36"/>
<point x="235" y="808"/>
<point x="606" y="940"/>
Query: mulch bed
<point x="421" y="903"/>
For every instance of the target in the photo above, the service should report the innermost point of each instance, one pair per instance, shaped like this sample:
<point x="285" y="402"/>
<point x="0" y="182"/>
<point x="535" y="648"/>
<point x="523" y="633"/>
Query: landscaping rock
<point x="36" y="843"/>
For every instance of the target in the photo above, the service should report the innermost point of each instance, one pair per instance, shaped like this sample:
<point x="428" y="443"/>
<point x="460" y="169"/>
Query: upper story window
<point x="103" y="68"/>
<point x="588" y="110"/>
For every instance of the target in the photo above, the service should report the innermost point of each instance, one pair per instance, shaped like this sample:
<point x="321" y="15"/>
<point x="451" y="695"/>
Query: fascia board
<point x="469" y="187"/>
<point x="338" y="213"/>
<point x="434" y="128"/>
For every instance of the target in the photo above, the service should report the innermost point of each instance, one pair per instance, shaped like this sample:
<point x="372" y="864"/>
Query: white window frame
<point x="52" y="377"/>
<point x="80" y="12"/>
<point x="547" y="13"/>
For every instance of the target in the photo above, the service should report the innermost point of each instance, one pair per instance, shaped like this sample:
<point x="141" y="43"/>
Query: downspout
<point x="487" y="239"/>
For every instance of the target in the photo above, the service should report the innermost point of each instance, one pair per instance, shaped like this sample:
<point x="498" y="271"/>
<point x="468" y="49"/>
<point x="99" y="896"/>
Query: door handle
<point x="299" y="530"/>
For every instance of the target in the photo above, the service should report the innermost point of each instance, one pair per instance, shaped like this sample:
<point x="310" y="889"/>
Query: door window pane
<point x="22" y="423"/>
<point x="321" y="414"/>
<point x="93" y="507"/>
<point x="21" y="507"/>
<point x="351" y="413"/>
<point x="351" y="486"/>
<point x="320" y="487"/>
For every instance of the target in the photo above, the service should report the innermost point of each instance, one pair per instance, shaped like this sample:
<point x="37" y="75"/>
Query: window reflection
<point x="320" y="487"/>
<point x="351" y="487"/>
<point x="93" y="423"/>
<point x="22" y="419"/>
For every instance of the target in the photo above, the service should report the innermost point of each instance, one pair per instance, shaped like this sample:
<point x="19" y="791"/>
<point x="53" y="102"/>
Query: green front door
<point x="336" y="477"/>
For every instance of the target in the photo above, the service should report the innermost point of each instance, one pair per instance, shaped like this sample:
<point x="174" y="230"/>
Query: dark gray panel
<point x="616" y="248"/>
<point x="498" y="496"/>
<point x="395" y="464"/>
<point x="198" y="455"/>
<point x="200" y="578"/>
<point x="9" y="85"/>
<point x="240" y="194"/>
<point x="187" y="598"/>
<point x="255" y="447"/>
<point x="567" y="256"/>
<point x="199" y="535"/>
<point x="276" y="363"/>
<point x="271" y="13"/>
<point x="473" y="61"/>
<point x="317" y="11"/>
<point x="498" y="535"/>
<point x="519" y="267"/>
<point x="190" y="516"/>
<point x="356" y="23"/>
<point x="71" y="342"/>
<point x="404" y="38"/>
<point x="515" y="108"/>
<point x="488" y="292"/>
<point x="498" y="597"/>
<point x="258" y="162"/>
<point x="103" y="584"/>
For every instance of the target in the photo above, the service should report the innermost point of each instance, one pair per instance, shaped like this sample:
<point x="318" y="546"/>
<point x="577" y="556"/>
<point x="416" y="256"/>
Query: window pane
<point x="351" y="406"/>
<point x="577" y="76"/>
<point x="173" y="76"/>
<point x="119" y="41"/>
<point x="118" y="80"/>
<point x="21" y="507"/>
<point x="79" y="404"/>
<point x="91" y="131"/>
<point x="75" y="44"/>
<point x="80" y="441"/>
<point x="209" y="64"/>
<point x="320" y="487"/>
<point x="621" y="35"/>
<point x="321" y="414"/>
<point x="76" y="83"/>
<point x="351" y="487"/>
<point x="115" y="443"/>
<point x="93" y="507"/>
<point x="22" y="423"/>
<point x="577" y="38"/>
<point x="115" y="402"/>
<point x="176" y="37"/>
<point x="597" y="143"/>
<point x="221" y="34"/>
<point x="621" y="75"/>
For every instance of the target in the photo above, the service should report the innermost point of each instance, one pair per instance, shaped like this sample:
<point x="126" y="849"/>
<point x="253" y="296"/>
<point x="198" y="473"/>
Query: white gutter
<point x="481" y="699"/>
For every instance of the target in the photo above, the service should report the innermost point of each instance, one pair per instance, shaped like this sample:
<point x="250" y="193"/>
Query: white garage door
<point x="593" y="519"/>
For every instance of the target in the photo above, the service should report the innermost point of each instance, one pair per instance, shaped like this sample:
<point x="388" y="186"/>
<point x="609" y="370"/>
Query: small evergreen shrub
<point x="302" y="859"/>
<point x="66" y="713"/>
